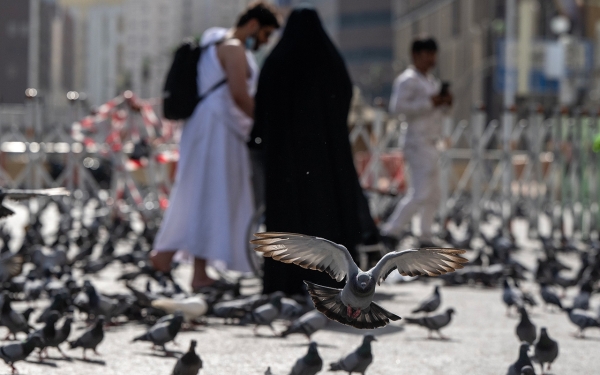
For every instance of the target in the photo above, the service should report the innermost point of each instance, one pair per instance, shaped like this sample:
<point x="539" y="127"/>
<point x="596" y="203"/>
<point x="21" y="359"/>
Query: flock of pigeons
<point x="56" y="270"/>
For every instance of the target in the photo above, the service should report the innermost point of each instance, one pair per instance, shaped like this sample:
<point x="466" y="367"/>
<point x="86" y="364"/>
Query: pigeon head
<point x="505" y="283"/>
<point x="524" y="349"/>
<point x="364" y="284"/>
<point x="369" y="339"/>
<point x="312" y="346"/>
<point x="100" y="320"/>
<point x="450" y="311"/>
<point x="53" y="317"/>
<point x="192" y="345"/>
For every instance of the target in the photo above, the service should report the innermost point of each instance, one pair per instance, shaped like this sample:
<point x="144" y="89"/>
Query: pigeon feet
<point x="352" y="314"/>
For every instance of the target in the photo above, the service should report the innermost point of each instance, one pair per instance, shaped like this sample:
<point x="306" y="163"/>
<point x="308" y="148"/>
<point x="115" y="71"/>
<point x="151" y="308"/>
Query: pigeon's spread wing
<point x="19" y="194"/>
<point x="414" y="262"/>
<point x="10" y="265"/>
<point x="306" y="251"/>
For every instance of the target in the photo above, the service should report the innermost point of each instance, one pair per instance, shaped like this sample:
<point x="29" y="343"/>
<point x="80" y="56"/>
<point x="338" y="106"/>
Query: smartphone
<point x="445" y="88"/>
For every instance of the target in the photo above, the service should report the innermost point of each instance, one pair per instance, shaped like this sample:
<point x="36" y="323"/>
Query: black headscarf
<point x="302" y="103"/>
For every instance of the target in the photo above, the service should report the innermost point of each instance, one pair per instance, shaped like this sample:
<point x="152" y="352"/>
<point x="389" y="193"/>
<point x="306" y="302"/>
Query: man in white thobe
<point x="418" y="95"/>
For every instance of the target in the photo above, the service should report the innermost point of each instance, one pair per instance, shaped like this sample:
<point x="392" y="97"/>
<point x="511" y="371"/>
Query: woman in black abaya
<point x="302" y="105"/>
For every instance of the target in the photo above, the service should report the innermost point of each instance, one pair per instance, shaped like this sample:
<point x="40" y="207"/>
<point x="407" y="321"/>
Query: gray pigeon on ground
<point x="310" y="364"/>
<point x="433" y="323"/>
<point x="163" y="332"/>
<point x="522" y="361"/>
<point x="358" y="360"/>
<point x="353" y="305"/>
<point x="526" y="330"/>
<point x="546" y="349"/>
<point x="14" y="321"/>
<point x="582" y="300"/>
<point x="582" y="320"/>
<point x="90" y="338"/>
<point x="100" y="304"/>
<point x="190" y="363"/>
<point x="15" y="352"/>
<point x="549" y="297"/>
<point x="430" y="304"/>
<point x="264" y="315"/>
<point x="307" y="324"/>
<point x="511" y="296"/>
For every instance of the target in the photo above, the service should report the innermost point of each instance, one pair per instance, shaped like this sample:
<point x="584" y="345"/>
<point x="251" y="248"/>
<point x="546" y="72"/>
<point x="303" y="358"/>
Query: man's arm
<point x="404" y="101"/>
<point x="233" y="59"/>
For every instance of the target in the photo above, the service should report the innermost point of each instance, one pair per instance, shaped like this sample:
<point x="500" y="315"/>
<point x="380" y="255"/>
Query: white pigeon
<point x="353" y="305"/>
<point x="191" y="307"/>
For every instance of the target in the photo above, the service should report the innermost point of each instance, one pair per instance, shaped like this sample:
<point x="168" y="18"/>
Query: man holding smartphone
<point x="421" y="97"/>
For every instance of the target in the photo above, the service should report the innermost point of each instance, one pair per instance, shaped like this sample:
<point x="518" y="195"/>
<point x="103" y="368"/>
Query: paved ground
<point x="482" y="341"/>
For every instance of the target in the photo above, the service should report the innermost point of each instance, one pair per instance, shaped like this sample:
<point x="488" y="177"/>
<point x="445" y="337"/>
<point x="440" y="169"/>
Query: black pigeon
<point x="522" y="361"/>
<point x="62" y="334"/>
<point x="13" y="353"/>
<point x="546" y="349"/>
<point x="310" y="364"/>
<point x="430" y="304"/>
<point x="526" y="330"/>
<point x="47" y="333"/>
<point x="190" y="363"/>
<point x="11" y="319"/>
<point x="90" y="338"/>
<point x="433" y="323"/>
<point x="549" y="297"/>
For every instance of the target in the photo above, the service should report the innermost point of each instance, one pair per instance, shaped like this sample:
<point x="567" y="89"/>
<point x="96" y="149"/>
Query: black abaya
<point x="302" y="105"/>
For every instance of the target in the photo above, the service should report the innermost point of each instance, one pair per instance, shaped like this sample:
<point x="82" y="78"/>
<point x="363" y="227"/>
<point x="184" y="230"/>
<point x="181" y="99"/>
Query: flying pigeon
<point x="310" y="364"/>
<point x="163" y="331"/>
<point x="358" y="360"/>
<point x="522" y="361"/>
<point x="11" y="265"/>
<point x="433" y="323"/>
<point x="353" y="305"/>
<point x="526" y="330"/>
<point x="307" y="324"/>
<point x="546" y="349"/>
<point x="430" y="304"/>
<point x="90" y="338"/>
<point x="190" y="363"/>
<point x="19" y="194"/>
<point x="12" y="353"/>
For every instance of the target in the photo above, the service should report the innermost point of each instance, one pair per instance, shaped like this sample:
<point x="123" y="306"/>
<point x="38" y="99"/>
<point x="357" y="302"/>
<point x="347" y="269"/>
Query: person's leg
<point x="200" y="278"/>
<point x="161" y="260"/>
<point x="432" y="199"/>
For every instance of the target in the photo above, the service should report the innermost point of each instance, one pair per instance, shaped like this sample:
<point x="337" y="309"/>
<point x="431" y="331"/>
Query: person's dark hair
<point x="424" y="44"/>
<point x="264" y="13"/>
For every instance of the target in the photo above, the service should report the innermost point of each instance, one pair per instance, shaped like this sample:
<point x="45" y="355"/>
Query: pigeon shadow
<point x="305" y="345"/>
<point x="92" y="361"/>
<point x="169" y="354"/>
<point x="259" y="336"/>
<point x="342" y="328"/>
<point x="43" y="363"/>
<point x="67" y="359"/>
<point x="385" y="296"/>
<point x="433" y="339"/>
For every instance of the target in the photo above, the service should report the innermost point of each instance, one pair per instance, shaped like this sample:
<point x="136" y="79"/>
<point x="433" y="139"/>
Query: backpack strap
<point x="221" y="82"/>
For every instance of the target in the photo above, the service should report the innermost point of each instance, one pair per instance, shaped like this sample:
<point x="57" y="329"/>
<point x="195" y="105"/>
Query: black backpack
<point x="180" y="93"/>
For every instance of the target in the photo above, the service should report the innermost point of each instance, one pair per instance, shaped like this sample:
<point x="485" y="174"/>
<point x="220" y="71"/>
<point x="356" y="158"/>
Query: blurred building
<point x="98" y="36"/>
<point x="36" y="40"/>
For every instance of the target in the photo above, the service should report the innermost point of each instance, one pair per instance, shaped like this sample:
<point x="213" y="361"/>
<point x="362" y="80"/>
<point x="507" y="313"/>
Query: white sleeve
<point x="404" y="99"/>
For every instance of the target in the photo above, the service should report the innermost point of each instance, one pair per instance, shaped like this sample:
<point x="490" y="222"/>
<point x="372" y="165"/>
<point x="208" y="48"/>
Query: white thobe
<point x="411" y="96"/>
<point x="211" y="203"/>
